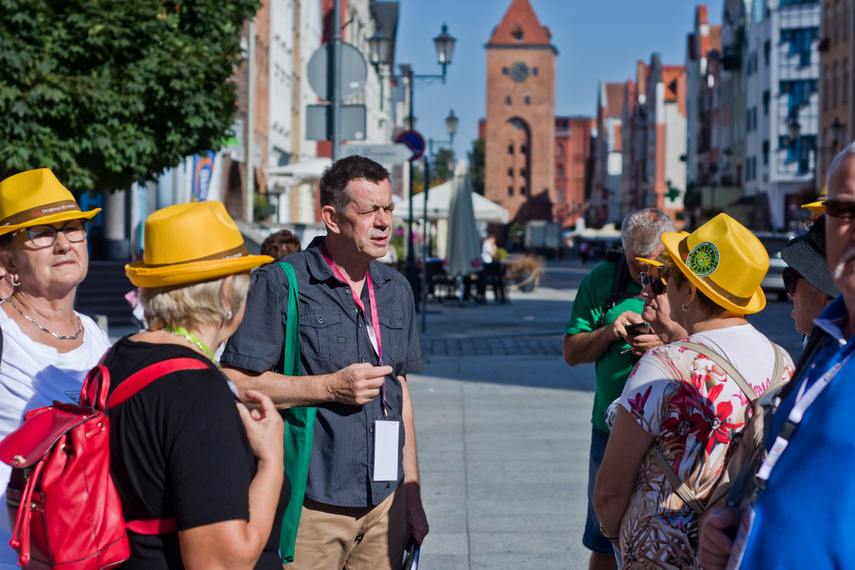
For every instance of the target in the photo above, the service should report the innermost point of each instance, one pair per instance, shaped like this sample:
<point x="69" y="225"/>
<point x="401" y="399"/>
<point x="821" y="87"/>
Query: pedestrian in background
<point x="802" y="515"/>
<point x="680" y="405"/>
<point x="183" y="449"/>
<point x="47" y="346"/>
<point x="358" y="342"/>
<point x="608" y="300"/>
<point x="807" y="279"/>
<point x="280" y="244"/>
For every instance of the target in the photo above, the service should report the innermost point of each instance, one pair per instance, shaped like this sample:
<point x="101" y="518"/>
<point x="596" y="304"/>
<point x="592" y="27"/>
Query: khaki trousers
<point x="352" y="538"/>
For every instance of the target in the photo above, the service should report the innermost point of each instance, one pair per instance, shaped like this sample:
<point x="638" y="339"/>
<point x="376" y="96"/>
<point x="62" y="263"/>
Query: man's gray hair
<point x="641" y="231"/>
<point x="838" y="160"/>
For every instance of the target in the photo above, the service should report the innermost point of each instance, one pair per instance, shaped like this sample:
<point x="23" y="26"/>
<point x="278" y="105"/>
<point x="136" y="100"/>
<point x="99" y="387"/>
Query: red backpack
<point x="60" y="457"/>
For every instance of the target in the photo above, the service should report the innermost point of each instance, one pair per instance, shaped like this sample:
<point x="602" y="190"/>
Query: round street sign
<point x="414" y="141"/>
<point x="352" y="74"/>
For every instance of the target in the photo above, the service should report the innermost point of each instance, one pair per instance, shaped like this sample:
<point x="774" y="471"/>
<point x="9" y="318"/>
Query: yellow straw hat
<point x="35" y="198"/>
<point x="191" y="242"/>
<point x="725" y="261"/>
<point x="818" y="207"/>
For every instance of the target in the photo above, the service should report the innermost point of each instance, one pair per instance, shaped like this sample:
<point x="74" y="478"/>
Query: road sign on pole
<point x="414" y="141"/>
<point x="393" y="153"/>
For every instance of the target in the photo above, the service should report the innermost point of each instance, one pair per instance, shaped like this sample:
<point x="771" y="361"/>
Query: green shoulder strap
<point x="299" y="426"/>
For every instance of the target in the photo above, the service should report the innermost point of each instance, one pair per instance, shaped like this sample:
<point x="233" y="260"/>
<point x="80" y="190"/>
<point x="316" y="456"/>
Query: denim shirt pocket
<point x="322" y="334"/>
<point x="394" y="335"/>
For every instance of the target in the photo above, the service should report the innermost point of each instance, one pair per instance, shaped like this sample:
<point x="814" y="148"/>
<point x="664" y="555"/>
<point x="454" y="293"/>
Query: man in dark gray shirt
<point x="358" y="342"/>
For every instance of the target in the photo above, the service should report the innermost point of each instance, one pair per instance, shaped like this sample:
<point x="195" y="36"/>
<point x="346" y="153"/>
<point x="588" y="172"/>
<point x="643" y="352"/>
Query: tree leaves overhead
<point x="111" y="92"/>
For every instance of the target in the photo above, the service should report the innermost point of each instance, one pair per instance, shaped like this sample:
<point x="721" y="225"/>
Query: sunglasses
<point x="843" y="209"/>
<point x="657" y="284"/>
<point x="791" y="276"/>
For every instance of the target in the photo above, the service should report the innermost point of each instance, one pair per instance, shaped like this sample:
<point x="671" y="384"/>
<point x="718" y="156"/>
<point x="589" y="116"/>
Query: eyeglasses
<point x="791" y="276"/>
<point x="843" y="209"/>
<point x="45" y="236"/>
<point x="657" y="284"/>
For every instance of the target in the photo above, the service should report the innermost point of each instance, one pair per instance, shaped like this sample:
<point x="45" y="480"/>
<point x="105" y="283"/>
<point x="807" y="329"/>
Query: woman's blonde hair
<point x="194" y="304"/>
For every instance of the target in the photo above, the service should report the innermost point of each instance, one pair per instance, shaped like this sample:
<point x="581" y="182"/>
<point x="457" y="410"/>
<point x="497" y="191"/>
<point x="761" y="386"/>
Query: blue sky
<point x="594" y="38"/>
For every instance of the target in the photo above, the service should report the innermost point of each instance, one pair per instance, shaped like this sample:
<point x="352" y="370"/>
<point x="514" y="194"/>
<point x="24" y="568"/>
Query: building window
<point x="511" y="172"/>
<point x="504" y="71"/>
<point x="522" y="190"/>
<point x="800" y="40"/>
<point x="837" y="23"/>
<point x="834" y="85"/>
<point x="754" y="118"/>
<point x="767" y="50"/>
<point x="766" y="103"/>
<point x="825" y="88"/>
<point x="511" y="148"/>
<point x="844" y="88"/>
<point x="561" y="149"/>
<point x="534" y="71"/>
<point x="523" y="149"/>
<point x="845" y="22"/>
<point x="765" y="153"/>
<point x="508" y="99"/>
<point x="510" y="190"/>
<point x="560" y="171"/>
<point x="527" y="100"/>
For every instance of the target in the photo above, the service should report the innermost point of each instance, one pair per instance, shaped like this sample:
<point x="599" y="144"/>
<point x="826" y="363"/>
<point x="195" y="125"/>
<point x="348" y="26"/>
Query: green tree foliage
<point x="111" y="92"/>
<point x="442" y="162"/>
<point x="476" y="166"/>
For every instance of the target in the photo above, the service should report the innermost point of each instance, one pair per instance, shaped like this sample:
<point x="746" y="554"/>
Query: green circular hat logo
<point x="703" y="259"/>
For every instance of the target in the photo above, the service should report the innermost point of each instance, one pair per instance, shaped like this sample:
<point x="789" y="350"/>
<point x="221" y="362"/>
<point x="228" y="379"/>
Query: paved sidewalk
<point x="503" y="429"/>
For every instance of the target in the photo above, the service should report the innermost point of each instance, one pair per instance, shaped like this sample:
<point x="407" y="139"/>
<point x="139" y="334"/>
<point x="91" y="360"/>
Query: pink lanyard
<point x="373" y="326"/>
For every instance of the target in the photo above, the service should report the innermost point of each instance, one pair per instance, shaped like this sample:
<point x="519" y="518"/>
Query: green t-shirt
<point x="613" y="368"/>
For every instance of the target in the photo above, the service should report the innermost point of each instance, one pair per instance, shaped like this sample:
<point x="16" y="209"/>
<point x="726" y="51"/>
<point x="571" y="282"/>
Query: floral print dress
<point x="693" y="410"/>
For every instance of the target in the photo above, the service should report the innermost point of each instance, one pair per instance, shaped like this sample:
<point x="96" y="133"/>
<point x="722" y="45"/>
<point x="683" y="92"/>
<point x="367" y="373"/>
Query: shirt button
<point x="371" y="430"/>
<point x="363" y="360"/>
<point x="320" y="320"/>
<point x="347" y="291"/>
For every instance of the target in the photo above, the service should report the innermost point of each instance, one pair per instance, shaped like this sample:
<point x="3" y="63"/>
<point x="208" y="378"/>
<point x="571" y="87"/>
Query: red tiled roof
<point x="520" y="26"/>
<point x="670" y="76"/>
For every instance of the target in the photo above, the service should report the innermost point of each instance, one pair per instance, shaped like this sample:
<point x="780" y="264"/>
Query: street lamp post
<point x="451" y="128"/>
<point x="378" y="45"/>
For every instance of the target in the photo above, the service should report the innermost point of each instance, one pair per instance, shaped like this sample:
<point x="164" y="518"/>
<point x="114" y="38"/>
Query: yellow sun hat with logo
<point x="186" y="243"/>
<point x="35" y="198"/>
<point x="725" y="261"/>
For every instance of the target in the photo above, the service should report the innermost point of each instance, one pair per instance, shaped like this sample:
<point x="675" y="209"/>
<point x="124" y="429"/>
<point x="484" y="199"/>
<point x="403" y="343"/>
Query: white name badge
<point x="386" y="450"/>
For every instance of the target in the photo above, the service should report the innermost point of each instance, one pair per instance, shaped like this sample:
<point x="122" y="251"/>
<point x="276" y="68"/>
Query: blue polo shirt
<point x="333" y="336"/>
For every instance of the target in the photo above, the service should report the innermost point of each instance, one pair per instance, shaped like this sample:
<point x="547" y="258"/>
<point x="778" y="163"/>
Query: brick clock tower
<point x="519" y="130"/>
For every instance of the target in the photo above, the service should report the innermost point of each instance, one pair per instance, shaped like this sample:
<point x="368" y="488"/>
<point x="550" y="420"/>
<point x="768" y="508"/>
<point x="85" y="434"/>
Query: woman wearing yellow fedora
<point x="682" y="404"/>
<point x="47" y="347"/>
<point x="183" y="450"/>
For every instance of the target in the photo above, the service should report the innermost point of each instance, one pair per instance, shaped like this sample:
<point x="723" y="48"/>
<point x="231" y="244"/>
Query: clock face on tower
<point x="519" y="71"/>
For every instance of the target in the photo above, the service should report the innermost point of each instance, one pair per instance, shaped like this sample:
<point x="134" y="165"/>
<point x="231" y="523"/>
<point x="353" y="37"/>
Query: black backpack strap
<point x="619" y="285"/>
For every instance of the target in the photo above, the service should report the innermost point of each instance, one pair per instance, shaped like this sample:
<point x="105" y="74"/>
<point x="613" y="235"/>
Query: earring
<point x="230" y="315"/>
<point x="16" y="282"/>
<point x="685" y="307"/>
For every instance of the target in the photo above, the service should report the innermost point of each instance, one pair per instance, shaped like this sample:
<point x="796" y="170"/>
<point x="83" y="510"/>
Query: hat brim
<point x="652" y="262"/>
<point x="817" y="208"/>
<point x="754" y="305"/>
<point x="811" y="265"/>
<point x="51" y="219"/>
<point x="148" y="277"/>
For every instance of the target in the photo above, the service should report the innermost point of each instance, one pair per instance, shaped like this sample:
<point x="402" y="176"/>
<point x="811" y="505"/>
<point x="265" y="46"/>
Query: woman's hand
<point x="716" y="541"/>
<point x="264" y="427"/>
